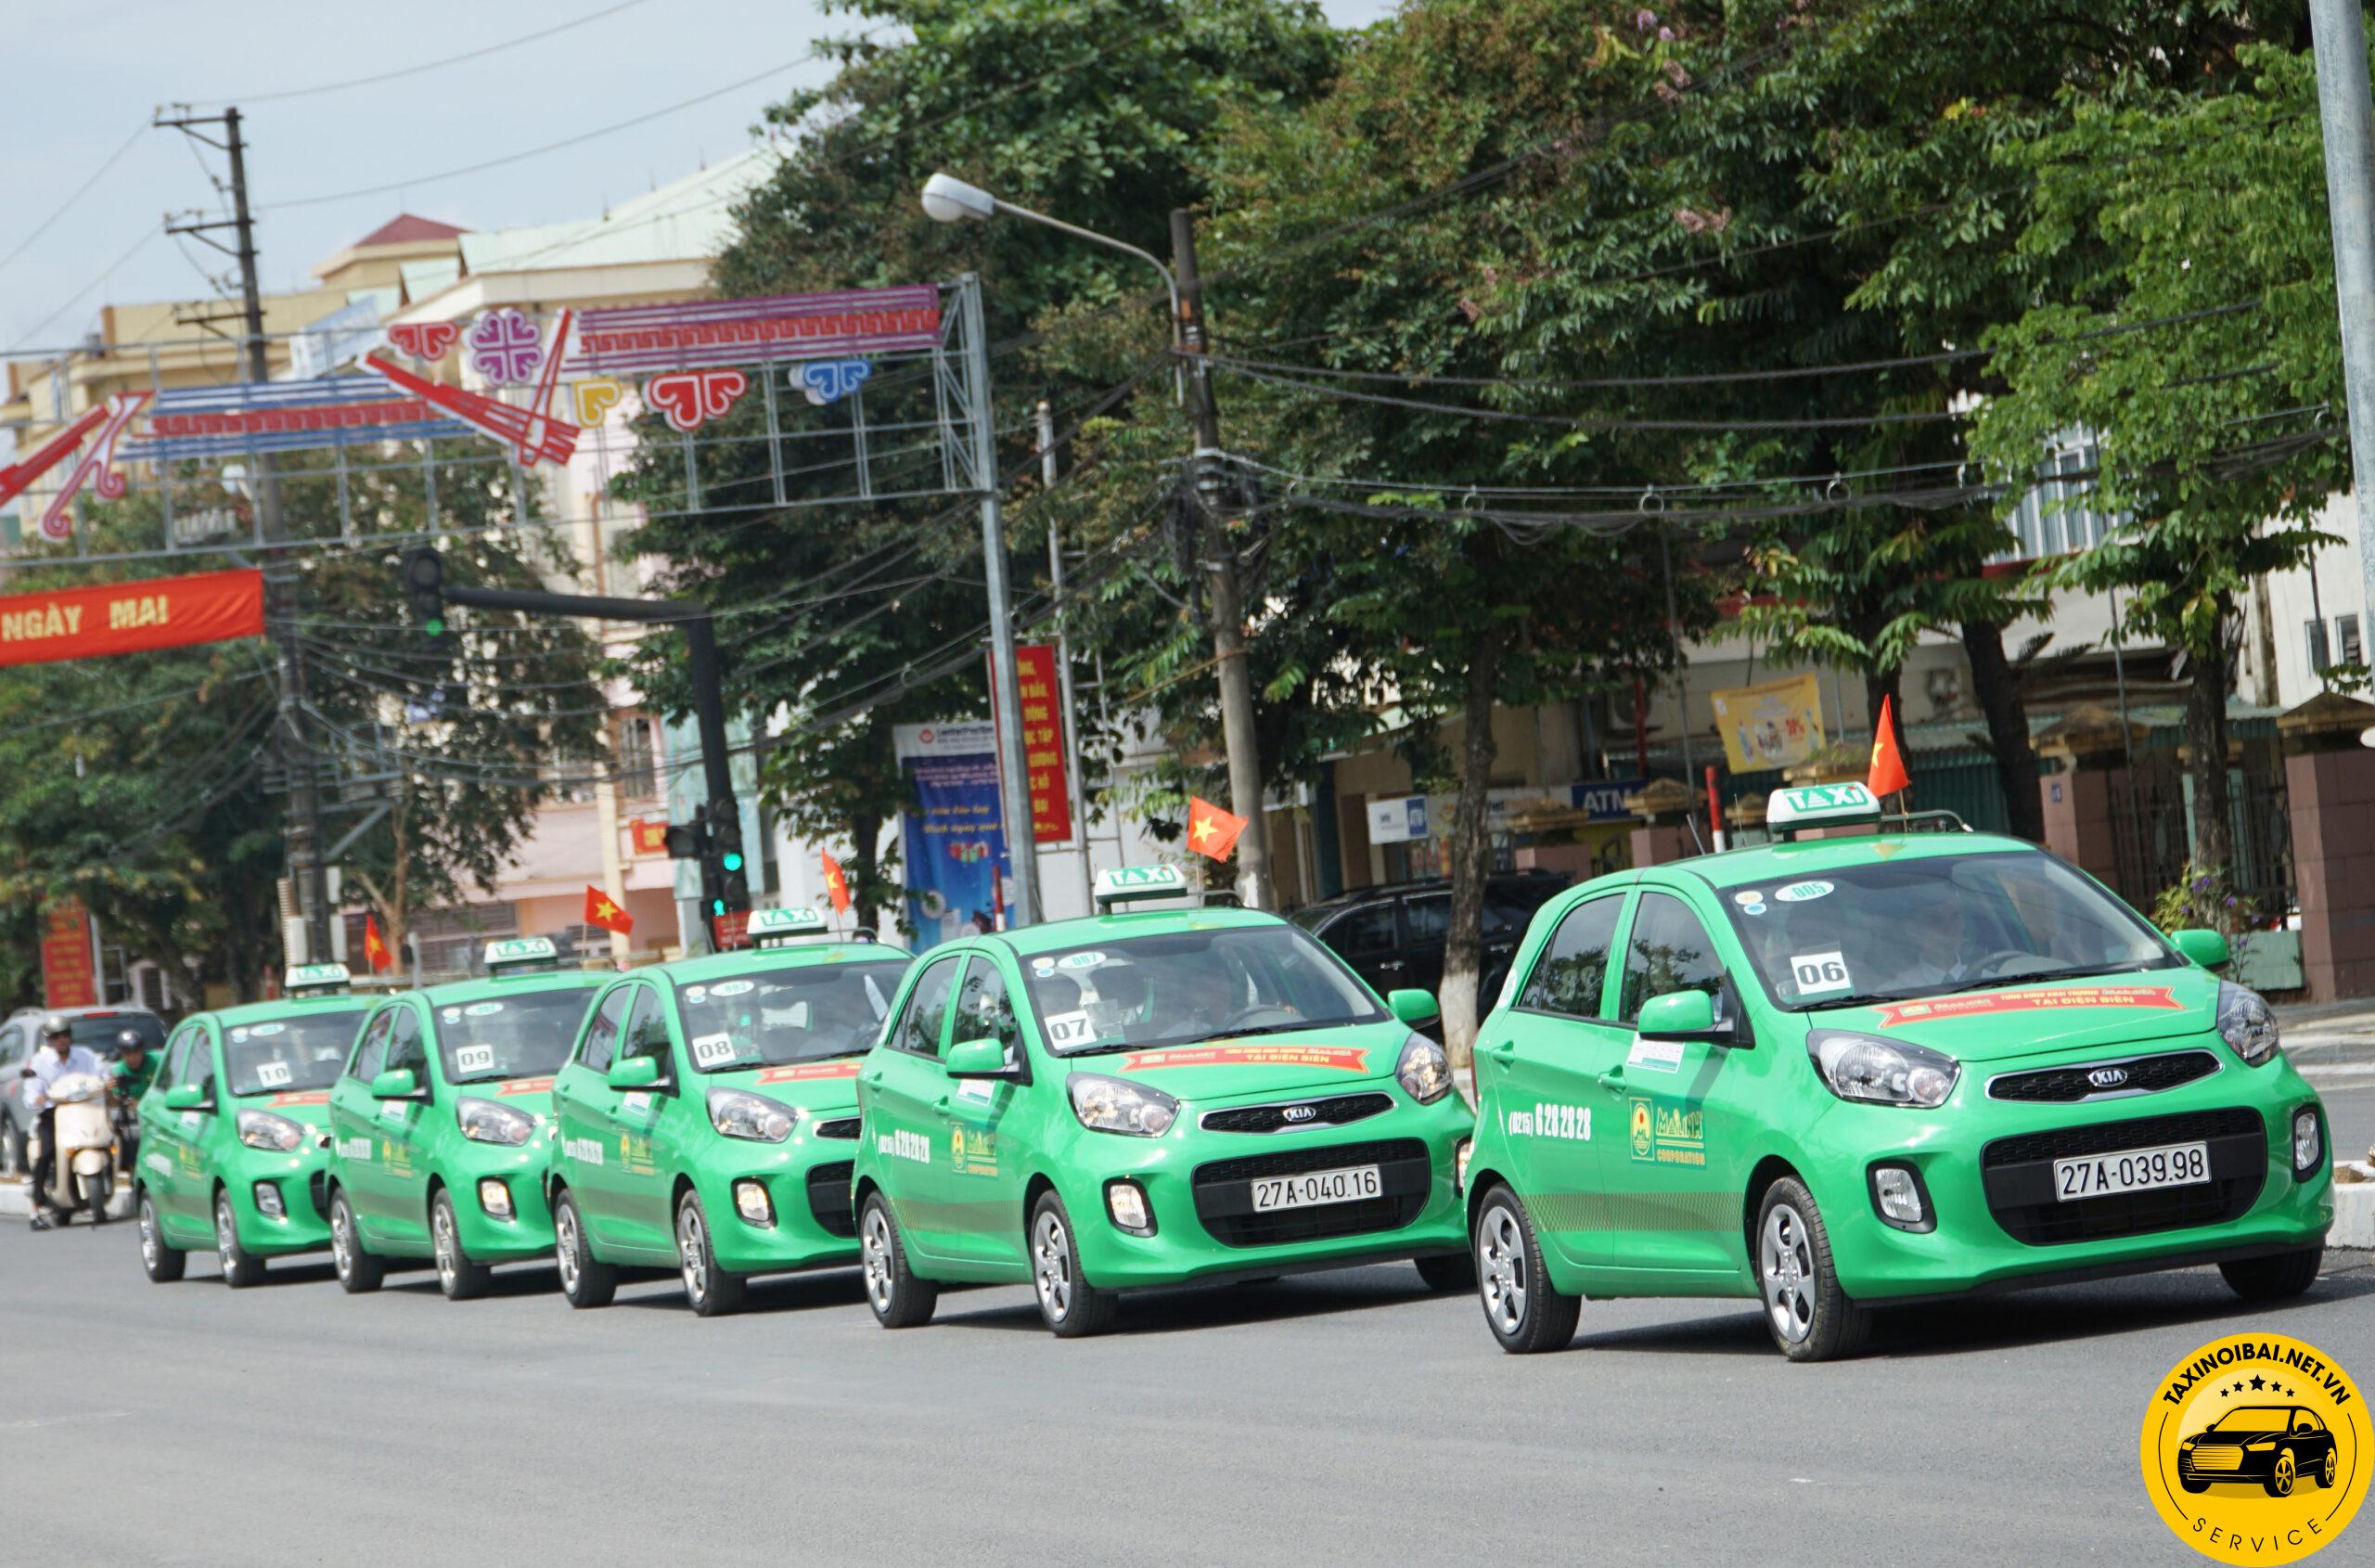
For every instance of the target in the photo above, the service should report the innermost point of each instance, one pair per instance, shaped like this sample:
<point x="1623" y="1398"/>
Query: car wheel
<point x="713" y="1291"/>
<point x="1070" y="1305"/>
<point x="2326" y="1475"/>
<point x="456" y="1274"/>
<point x="163" y="1265"/>
<point x="2193" y="1484"/>
<point x="359" y="1272"/>
<point x="1810" y="1317"/>
<point x="2281" y="1475"/>
<point x="240" y="1269"/>
<point x="584" y="1279"/>
<point x="2275" y="1278"/>
<point x="900" y="1298"/>
<point x="1448" y="1276"/>
<point x="1526" y="1313"/>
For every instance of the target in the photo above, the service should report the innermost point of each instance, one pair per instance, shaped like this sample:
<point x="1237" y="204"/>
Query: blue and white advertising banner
<point x="952" y="841"/>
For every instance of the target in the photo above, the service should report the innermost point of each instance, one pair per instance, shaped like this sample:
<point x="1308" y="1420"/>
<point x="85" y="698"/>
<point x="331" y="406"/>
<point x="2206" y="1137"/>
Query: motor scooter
<point x="84" y="1174"/>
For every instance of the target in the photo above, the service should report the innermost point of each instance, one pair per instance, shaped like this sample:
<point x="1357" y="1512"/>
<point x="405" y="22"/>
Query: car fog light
<point x="1127" y="1201"/>
<point x="1459" y="1169"/>
<point x="268" y="1201"/>
<point x="750" y="1201"/>
<point x="494" y="1197"/>
<point x="1898" y="1197"/>
<point x="2308" y="1142"/>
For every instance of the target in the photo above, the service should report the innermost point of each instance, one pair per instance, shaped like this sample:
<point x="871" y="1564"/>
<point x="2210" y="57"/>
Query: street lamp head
<point x="950" y="201"/>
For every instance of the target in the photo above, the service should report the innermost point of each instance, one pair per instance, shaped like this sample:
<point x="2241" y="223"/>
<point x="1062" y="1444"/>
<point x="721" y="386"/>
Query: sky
<point x="85" y="82"/>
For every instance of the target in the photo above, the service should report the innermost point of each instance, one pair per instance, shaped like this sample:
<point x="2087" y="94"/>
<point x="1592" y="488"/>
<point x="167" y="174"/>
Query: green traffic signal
<point x="434" y="626"/>
<point x="718" y="906"/>
<point x="732" y="860"/>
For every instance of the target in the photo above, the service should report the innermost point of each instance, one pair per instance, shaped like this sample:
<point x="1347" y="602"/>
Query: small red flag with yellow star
<point x="836" y="884"/>
<point x="1212" y="831"/>
<point x="603" y="910"/>
<point x="375" y="949"/>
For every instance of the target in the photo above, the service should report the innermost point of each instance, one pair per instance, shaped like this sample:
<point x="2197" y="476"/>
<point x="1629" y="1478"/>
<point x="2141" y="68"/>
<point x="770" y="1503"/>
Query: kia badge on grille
<point x="2108" y="1077"/>
<point x="1305" y="1113"/>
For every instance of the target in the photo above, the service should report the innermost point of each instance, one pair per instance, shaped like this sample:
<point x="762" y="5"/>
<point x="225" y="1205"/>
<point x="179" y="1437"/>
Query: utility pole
<point x="1223" y="585"/>
<point x="1046" y="425"/>
<point x="304" y="828"/>
<point x="2339" y="34"/>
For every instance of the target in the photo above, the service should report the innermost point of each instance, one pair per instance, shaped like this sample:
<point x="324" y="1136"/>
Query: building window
<point x="2045" y="523"/>
<point x="2320" y="657"/>
<point x="2346" y="636"/>
<point x="638" y="759"/>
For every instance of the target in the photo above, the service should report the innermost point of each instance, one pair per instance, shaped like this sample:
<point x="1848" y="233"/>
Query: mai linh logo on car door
<point x="1667" y="1132"/>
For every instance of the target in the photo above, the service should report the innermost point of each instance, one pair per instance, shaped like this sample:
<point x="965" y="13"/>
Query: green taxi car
<point x="1841" y="1073"/>
<point x="439" y="1126"/>
<point x="708" y="1114"/>
<point x="1150" y="1099"/>
<point x="233" y="1130"/>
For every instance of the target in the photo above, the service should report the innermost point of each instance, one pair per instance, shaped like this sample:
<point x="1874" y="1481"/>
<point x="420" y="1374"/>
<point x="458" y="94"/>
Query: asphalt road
<point x="1328" y="1418"/>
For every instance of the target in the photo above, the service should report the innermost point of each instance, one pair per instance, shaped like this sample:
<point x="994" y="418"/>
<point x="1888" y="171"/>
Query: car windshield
<point x="2254" y="1418"/>
<point x="1176" y="987"/>
<point x="798" y="1013"/>
<point x="101" y="1031"/>
<point x="525" y="1034"/>
<point x="301" y="1052"/>
<point x="1923" y="927"/>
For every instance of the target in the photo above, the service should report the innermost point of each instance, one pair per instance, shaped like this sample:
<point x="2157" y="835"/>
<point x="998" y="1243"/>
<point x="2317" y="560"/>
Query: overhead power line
<point x="80" y="191"/>
<point x="398" y="75"/>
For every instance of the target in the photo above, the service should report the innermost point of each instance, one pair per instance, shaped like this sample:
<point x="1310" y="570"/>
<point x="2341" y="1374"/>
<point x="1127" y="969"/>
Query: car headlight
<point x="739" y="1114"/>
<point x="1116" y="1105"/>
<point x="1866" y="1068"/>
<point x="1424" y="1071"/>
<point x="2246" y="1022"/>
<point x="261" y="1129"/>
<point x="484" y="1120"/>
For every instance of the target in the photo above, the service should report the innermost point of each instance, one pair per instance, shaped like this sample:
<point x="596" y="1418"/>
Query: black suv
<point x="1394" y="935"/>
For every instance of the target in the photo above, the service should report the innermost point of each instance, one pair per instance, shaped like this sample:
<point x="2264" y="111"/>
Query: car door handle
<point x="941" y="1104"/>
<point x="1611" y="1079"/>
<point x="1502" y="1048"/>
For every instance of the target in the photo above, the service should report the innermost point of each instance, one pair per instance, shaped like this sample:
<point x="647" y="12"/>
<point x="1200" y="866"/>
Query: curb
<point x="2355" y="1209"/>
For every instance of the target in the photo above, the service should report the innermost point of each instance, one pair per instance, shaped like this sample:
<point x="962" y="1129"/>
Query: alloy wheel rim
<point x="2327" y="1478"/>
<point x="444" y="1228"/>
<point x="342" y="1245"/>
<point x="878" y="1260"/>
<point x="688" y="1248"/>
<point x="226" y="1238"/>
<point x="1787" y="1262"/>
<point x="1054" y="1254"/>
<point x="2284" y="1475"/>
<point x="149" y="1246"/>
<point x="1500" y="1268"/>
<point x="565" y="1254"/>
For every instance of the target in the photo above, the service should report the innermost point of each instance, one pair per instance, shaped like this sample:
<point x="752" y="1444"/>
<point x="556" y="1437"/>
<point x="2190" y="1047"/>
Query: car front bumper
<point x="810" y="1222"/>
<point x="302" y="1224"/>
<point x="486" y="1235"/>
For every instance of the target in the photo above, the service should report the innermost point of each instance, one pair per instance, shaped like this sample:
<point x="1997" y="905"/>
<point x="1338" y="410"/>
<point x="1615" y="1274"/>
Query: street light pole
<point x="2339" y="34"/>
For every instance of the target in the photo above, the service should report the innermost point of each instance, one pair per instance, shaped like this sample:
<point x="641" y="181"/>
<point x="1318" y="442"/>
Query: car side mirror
<point x="184" y="1097"/>
<point x="634" y="1072"/>
<point x="1415" y="1008"/>
<point x="2207" y="949"/>
<point x="396" y="1082"/>
<point x="986" y="1058"/>
<point x="1684" y="1015"/>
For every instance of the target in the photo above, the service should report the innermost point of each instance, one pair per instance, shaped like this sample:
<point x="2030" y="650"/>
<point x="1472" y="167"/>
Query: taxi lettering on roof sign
<point x="315" y="977"/>
<point x="776" y="925"/>
<point x="1815" y="804"/>
<point x="519" y="952"/>
<point x="1120" y="884"/>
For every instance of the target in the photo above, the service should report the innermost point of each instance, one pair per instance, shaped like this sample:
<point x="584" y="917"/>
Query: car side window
<point x="647" y="1031"/>
<point x="2304" y="1422"/>
<point x="168" y="1071"/>
<point x="919" y="1029"/>
<point x="1428" y="917"/>
<point x="12" y="1041"/>
<point x="1570" y="976"/>
<point x="198" y="1064"/>
<point x="405" y="1049"/>
<point x="1669" y="952"/>
<point x="371" y="1046"/>
<point x="985" y="1011"/>
<point x="602" y="1034"/>
<point x="1365" y="931"/>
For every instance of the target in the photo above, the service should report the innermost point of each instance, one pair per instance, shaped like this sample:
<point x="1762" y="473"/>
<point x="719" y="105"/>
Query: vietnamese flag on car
<point x="603" y="910"/>
<point x="1888" y="773"/>
<point x="1212" y="831"/>
<point x="836" y="884"/>
<point x="375" y="949"/>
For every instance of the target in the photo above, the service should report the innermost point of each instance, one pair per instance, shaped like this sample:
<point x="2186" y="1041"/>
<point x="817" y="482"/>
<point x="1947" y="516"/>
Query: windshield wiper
<point x="1859" y="1000"/>
<point x="1298" y="1025"/>
<point x="1986" y="981"/>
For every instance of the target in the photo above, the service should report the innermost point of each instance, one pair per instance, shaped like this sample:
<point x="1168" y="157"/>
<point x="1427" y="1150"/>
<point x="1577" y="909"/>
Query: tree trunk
<point x="865" y="876"/>
<point x="1998" y="691"/>
<point x="1471" y="853"/>
<point x="2214" y="838"/>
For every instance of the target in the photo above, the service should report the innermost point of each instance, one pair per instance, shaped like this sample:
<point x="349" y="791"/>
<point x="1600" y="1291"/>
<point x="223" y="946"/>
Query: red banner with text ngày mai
<point x="130" y="617"/>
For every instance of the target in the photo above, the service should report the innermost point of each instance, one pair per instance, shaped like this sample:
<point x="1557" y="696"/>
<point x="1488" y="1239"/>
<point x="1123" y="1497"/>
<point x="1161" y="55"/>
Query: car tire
<point x="242" y="1268"/>
<point x="163" y="1265"/>
<point x="456" y="1275"/>
<point x="2275" y="1278"/>
<point x="901" y="1299"/>
<point x="1070" y="1305"/>
<point x="1810" y="1317"/>
<point x="2282" y="1476"/>
<point x="359" y="1272"/>
<point x="2193" y="1484"/>
<point x="1449" y="1276"/>
<point x="585" y="1280"/>
<point x="711" y="1291"/>
<point x="2326" y="1474"/>
<point x="1527" y="1314"/>
<point x="12" y="1148"/>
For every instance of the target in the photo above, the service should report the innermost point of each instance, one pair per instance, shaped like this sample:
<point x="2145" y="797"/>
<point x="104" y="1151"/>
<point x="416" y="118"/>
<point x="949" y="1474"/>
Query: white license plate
<point x="2131" y="1170"/>
<point x="1351" y="1183"/>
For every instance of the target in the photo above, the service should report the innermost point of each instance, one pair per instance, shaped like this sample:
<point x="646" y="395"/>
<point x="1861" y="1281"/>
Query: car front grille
<point x="2018" y="1175"/>
<point x="1224" y="1195"/>
<point x="2217" y="1455"/>
<point x="839" y="1127"/>
<point x="828" y="1198"/>
<point x="2145" y="1075"/>
<point x="1333" y="1112"/>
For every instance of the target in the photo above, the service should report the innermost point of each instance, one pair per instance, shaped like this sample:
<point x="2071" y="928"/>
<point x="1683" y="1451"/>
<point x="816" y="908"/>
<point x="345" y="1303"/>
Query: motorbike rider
<point x="136" y="1069"/>
<point x="58" y="1057"/>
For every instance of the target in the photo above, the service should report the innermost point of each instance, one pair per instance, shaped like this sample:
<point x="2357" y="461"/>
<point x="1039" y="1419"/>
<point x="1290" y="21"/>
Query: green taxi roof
<point x="1056" y="936"/>
<point x="1765" y="863"/>
<point x="265" y="1012"/>
<point x="747" y="960"/>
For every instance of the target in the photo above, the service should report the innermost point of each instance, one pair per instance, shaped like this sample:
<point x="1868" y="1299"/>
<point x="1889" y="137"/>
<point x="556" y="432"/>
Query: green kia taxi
<point x="708" y="1114"/>
<point x="233" y="1131"/>
<point x="1842" y="1072"/>
<point x="1150" y="1099"/>
<point x="441" y="1125"/>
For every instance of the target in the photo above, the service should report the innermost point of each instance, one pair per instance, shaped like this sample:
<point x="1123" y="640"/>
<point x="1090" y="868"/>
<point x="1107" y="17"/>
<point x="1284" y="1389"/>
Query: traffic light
<point x="687" y="841"/>
<point x="424" y="585"/>
<point x="730" y="892"/>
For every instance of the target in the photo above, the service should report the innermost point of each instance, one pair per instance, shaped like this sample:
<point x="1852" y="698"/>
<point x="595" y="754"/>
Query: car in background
<point x="1393" y="936"/>
<point x="20" y="1036"/>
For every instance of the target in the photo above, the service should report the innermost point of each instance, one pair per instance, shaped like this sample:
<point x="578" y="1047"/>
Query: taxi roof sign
<point x="1819" y="805"/>
<point x="768" y="927"/>
<point x="1120" y="884"/>
<point x="520" y="951"/>
<point x="315" y="977"/>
